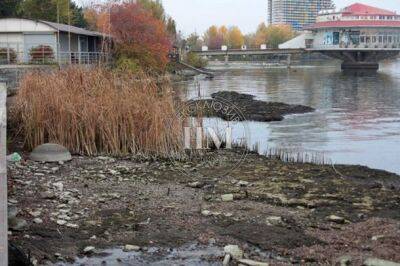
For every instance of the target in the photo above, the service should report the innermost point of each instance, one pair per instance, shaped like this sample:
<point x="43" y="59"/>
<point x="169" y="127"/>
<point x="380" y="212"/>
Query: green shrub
<point x="195" y="60"/>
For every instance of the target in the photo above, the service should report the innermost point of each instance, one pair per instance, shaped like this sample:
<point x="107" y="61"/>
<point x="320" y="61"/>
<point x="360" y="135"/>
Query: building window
<point x="368" y="39"/>
<point x="389" y="39"/>
<point x="385" y="39"/>
<point x="380" y="39"/>
<point x="374" y="39"/>
<point x="362" y="39"/>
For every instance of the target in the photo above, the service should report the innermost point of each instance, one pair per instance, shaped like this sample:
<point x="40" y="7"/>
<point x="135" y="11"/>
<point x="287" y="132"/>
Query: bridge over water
<point x="229" y="54"/>
<point x="364" y="58"/>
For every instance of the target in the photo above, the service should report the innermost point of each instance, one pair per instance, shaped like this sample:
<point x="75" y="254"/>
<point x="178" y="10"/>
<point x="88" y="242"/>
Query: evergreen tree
<point x="9" y="8"/>
<point x="49" y="10"/>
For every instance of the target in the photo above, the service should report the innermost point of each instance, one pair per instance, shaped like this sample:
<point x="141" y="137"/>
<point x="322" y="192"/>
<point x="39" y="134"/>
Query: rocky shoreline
<point x="266" y="211"/>
<point x="250" y="109"/>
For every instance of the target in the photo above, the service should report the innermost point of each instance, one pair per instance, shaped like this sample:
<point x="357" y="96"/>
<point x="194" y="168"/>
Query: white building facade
<point x="30" y="42"/>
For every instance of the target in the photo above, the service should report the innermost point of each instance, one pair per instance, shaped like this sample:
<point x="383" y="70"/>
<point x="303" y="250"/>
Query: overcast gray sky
<point x="198" y="15"/>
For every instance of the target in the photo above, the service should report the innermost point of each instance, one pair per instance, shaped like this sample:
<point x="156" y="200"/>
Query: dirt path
<point x="281" y="213"/>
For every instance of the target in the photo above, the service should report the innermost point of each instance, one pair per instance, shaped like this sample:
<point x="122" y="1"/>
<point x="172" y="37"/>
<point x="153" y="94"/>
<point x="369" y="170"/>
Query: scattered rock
<point x="336" y="219"/>
<point x="35" y="213"/>
<point x="376" y="238"/>
<point x="70" y="225"/>
<point x="50" y="152"/>
<point x="59" y="186"/>
<point x="344" y="260"/>
<point x="227" y="197"/>
<point x="274" y="220"/>
<point x="38" y="221"/>
<point x="61" y="222"/>
<point x="89" y="250"/>
<point x="379" y="262"/>
<point x="243" y="183"/>
<point x="196" y="184"/>
<point x="227" y="259"/>
<point x="206" y="213"/>
<point x="130" y="248"/>
<point x="234" y="251"/>
<point x="47" y="195"/>
<point x="17" y="224"/>
<point x="12" y="211"/>
<point x="252" y="262"/>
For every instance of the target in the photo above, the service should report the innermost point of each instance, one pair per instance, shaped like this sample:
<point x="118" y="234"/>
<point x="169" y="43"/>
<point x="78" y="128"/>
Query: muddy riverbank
<point x="251" y="109"/>
<point x="277" y="212"/>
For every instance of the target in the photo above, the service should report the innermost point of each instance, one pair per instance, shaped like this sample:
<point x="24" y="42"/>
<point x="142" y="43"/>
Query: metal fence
<point x="17" y="53"/>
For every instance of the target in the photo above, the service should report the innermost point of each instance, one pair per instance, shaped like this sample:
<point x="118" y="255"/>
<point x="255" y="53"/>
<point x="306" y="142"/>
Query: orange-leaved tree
<point x="140" y="39"/>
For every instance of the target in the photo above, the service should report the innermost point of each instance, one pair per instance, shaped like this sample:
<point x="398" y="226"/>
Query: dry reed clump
<point x="96" y="111"/>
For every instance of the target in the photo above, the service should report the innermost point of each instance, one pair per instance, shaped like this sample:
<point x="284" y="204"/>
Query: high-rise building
<point x="298" y="13"/>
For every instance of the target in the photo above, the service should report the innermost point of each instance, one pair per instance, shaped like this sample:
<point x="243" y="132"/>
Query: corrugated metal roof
<point x="355" y="23"/>
<point x="71" y="29"/>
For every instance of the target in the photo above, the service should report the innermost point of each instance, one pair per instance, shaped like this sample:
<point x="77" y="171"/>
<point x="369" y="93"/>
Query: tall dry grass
<point x="96" y="111"/>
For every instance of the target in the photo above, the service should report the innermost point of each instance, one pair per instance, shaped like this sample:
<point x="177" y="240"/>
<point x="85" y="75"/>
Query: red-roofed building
<point x="359" y="34"/>
<point x="357" y="26"/>
<point x="358" y="9"/>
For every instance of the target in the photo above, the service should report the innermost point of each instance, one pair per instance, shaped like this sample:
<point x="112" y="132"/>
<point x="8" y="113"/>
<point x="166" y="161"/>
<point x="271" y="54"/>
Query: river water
<point x="357" y="118"/>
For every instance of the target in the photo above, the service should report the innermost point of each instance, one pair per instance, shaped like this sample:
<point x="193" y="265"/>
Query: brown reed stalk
<point x="97" y="111"/>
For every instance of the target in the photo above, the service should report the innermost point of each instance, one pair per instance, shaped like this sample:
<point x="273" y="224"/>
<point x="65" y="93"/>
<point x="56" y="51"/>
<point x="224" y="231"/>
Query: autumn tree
<point x="235" y="37"/>
<point x="224" y="34"/>
<point x="261" y="35"/>
<point x="140" y="39"/>
<point x="155" y="7"/>
<point x="277" y="34"/>
<point x="212" y="38"/>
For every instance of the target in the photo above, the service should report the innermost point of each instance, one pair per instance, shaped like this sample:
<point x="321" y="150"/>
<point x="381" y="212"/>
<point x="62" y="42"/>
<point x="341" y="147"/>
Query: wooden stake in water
<point x="3" y="177"/>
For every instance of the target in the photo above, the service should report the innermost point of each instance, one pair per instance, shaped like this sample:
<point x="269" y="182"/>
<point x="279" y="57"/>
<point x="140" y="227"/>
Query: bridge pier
<point x="360" y="65"/>
<point x="289" y="60"/>
<point x="361" y="59"/>
<point x="226" y="59"/>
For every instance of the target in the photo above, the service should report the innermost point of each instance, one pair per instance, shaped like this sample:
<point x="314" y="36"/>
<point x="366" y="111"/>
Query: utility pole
<point x="3" y="177"/>
<point x="58" y="36"/>
<point x="69" y="32"/>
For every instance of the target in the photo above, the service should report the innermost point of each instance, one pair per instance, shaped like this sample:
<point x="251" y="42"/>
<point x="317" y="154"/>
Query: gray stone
<point x="376" y="238"/>
<point x="274" y="220"/>
<point x="50" y="152"/>
<point x="17" y="224"/>
<point x="206" y="213"/>
<point x="243" y="183"/>
<point x="12" y="212"/>
<point x="47" y="195"/>
<point x="252" y="262"/>
<point x="227" y="259"/>
<point x="89" y="250"/>
<point x="61" y="222"/>
<point x="336" y="219"/>
<point x="344" y="260"/>
<point x="379" y="262"/>
<point x="38" y="221"/>
<point x="234" y="251"/>
<point x="130" y="248"/>
<point x="196" y="184"/>
<point x="227" y="197"/>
